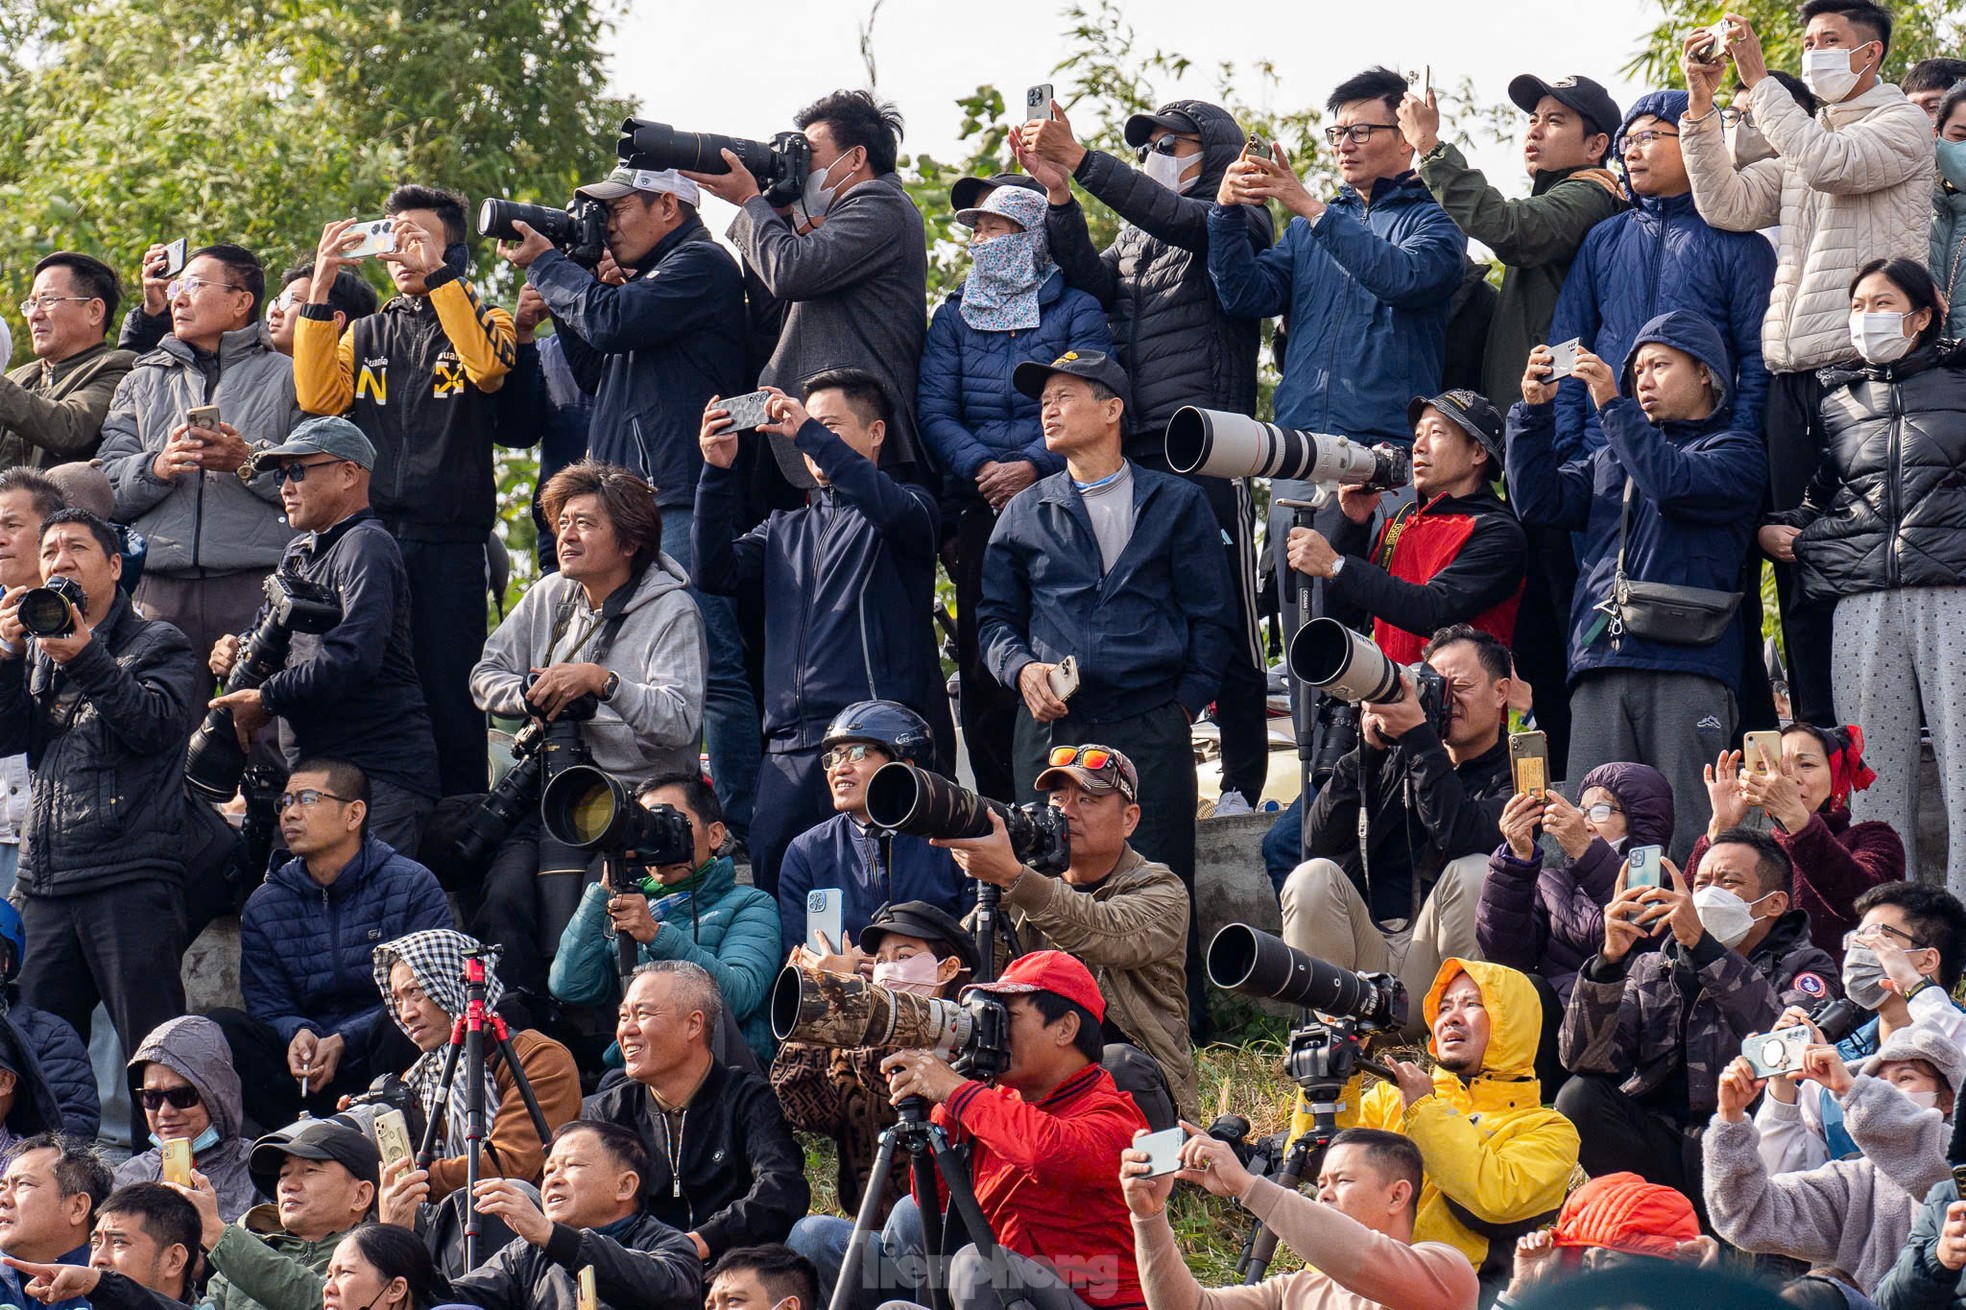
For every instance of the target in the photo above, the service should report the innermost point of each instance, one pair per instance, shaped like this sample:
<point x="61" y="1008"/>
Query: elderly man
<point x="52" y="408"/>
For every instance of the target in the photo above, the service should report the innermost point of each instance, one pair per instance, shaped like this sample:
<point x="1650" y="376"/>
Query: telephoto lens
<point x="1227" y="445"/>
<point x="904" y="798"/>
<point x="589" y="809"/>
<point x="1251" y="962"/>
<point x="496" y="217"/>
<point x="780" y="167"/>
<point x="845" y="1011"/>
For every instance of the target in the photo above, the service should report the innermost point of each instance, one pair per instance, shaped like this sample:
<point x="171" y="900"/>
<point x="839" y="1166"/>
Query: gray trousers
<point x="1676" y="722"/>
<point x="204" y="609"/>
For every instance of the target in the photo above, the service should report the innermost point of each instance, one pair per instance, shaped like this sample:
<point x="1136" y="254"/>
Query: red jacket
<point x="1047" y="1175"/>
<point x="1456" y="559"/>
<point x="1836" y="861"/>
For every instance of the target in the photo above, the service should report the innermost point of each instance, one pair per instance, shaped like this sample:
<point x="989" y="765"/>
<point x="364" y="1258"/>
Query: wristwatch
<point x="608" y="688"/>
<point x="1337" y="567"/>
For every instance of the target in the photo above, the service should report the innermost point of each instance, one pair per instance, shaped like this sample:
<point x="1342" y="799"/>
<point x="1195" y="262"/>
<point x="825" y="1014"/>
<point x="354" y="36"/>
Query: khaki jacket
<point x="49" y="416"/>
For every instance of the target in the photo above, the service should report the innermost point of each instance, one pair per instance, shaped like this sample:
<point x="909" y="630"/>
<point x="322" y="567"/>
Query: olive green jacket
<point x="50" y="416"/>
<point x="258" y="1265"/>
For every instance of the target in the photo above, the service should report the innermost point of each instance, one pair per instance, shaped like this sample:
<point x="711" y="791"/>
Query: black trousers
<point x="988" y="709"/>
<point x="122" y="945"/>
<point x="270" y="1091"/>
<point x="1541" y="644"/>
<point x="1620" y="1135"/>
<point x="448" y="587"/>
<point x="1792" y="429"/>
<point x="792" y="797"/>
<point x="525" y="911"/>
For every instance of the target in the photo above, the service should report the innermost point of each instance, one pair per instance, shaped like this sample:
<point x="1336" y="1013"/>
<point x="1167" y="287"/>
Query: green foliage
<point x="1923" y="29"/>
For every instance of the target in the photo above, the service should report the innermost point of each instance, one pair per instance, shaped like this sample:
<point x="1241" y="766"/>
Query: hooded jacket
<point x="1949" y="254"/>
<point x="1835" y="862"/>
<point x="1657" y="257"/>
<point x="971" y="414"/>
<point x="206" y="521"/>
<point x="1366" y="290"/>
<point x="1887" y="506"/>
<point x="53" y="413"/>
<point x="652" y="724"/>
<point x="1550" y="920"/>
<point x="1847" y="186"/>
<point x="194" y="1048"/>
<point x="643" y="1264"/>
<point x="1852" y="1214"/>
<point x="63" y="1058"/>
<point x="1177" y="343"/>
<point x="1697" y="487"/>
<point x="1494" y="1156"/>
<point x="36" y="1109"/>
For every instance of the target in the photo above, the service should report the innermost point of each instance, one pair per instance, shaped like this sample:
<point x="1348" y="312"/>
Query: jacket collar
<point x="1406" y="185"/>
<point x="368" y="857"/>
<point x="1074" y="1087"/>
<point x="690" y="229"/>
<point x="1856" y="108"/>
<point x="1843" y="375"/>
<point x="55" y="372"/>
<point x="238" y="344"/>
<point x="1668" y="207"/>
<point x="1543" y="179"/>
<point x="1482" y="500"/>
<point x="325" y="539"/>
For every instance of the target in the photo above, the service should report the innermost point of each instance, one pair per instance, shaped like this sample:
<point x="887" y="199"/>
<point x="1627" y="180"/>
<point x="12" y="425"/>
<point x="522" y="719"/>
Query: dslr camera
<point x="591" y="810"/>
<point x="580" y="231"/>
<point x="780" y="165"/>
<point x="44" y="610"/>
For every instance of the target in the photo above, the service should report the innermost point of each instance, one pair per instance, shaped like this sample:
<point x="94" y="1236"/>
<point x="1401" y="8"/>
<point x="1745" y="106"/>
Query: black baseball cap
<point x="1472" y="413"/>
<point x="314" y="1139"/>
<point x="968" y="190"/>
<point x="1600" y="111"/>
<point x="931" y="923"/>
<point x="1092" y="365"/>
<point x="1140" y="127"/>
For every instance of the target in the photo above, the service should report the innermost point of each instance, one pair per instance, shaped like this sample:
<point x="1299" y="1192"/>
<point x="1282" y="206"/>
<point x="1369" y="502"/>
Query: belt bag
<point x="1664" y="611"/>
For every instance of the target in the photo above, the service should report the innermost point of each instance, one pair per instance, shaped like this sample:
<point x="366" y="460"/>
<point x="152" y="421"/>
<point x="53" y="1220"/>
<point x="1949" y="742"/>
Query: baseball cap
<point x="931" y="923"/>
<point x="1093" y="365"/>
<point x="1471" y="412"/>
<point x="1048" y="971"/>
<point x="314" y="1139"/>
<point x="318" y="436"/>
<point x="1600" y="111"/>
<point x="963" y="195"/>
<point x="653" y="181"/>
<point x="1140" y="127"/>
<point x="1024" y="208"/>
<point x="1098" y="769"/>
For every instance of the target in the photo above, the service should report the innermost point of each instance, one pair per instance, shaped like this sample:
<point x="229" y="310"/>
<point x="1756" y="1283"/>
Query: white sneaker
<point x="1232" y="803"/>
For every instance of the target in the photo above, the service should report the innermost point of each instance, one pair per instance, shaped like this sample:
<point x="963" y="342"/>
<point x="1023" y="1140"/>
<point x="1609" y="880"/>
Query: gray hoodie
<point x="206" y="520"/>
<point x="195" y="1049"/>
<point x="654" y="721"/>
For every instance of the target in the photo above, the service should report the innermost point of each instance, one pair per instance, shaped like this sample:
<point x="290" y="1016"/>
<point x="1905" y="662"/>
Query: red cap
<point x="1049" y="971"/>
<point x="1626" y="1213"/>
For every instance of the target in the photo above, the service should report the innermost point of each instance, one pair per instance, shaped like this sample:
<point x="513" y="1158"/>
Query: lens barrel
<point x="846" y="1011"/>
<point x="496" y="217"/>
<point x="44" y="612"/>
<point x="1251" y="962"/>
<point x="911" y="800"/>
<point x="586" y="808"/>
<point x="1331" y="657"/>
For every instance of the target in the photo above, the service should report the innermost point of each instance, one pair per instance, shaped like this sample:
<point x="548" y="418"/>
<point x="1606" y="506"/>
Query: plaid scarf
<point x="436" y="957"/>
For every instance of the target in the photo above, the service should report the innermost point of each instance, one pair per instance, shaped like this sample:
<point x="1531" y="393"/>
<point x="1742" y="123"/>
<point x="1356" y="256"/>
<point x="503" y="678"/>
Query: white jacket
<point x="1851" y="185"/>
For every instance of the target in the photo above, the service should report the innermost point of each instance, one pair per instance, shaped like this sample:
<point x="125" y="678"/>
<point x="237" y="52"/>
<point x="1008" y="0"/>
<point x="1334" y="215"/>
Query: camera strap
<point x="607" y="627"/>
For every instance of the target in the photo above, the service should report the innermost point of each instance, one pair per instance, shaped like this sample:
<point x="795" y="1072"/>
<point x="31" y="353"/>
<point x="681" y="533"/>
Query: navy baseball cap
<point x="1600" y="111"/>
<point x="1092" y="365"/>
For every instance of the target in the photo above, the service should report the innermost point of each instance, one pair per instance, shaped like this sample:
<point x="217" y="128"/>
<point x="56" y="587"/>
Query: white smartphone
<point x="824" y="929"/>
<point x="392" y="1136"/>
<point x="378" y="237"/>
<point x="1064" y="677"/>
<point x="174" y="255"/>
<point x="1037" y="102"/>
<point x="747" y="411"/>
<point x="1565" y="361"/>
<point x="1163" y="1150"/>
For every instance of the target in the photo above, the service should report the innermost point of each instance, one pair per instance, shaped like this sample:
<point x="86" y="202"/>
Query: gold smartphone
<point x="177" y="1160"/>
<point x="589" y="1299"/>
<point x="392" y="1136"/>
<point x="1529" y="761"/>
<point x="1763" y="751"/>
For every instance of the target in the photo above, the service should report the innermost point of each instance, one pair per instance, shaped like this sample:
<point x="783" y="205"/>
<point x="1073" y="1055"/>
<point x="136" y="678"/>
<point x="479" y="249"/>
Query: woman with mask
<point x="1808" y="802"/>
<point x="1881" y="535"/>
<point x="1949" y="209"/>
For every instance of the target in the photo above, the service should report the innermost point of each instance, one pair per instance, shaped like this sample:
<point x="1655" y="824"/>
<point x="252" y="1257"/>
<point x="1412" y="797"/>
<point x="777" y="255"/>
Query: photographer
<point x="102" y="713"/>
<point x="1432" y="802"/>
<point x="847" y="584"/>
<point x="351" y="693"/>
<point x="1123" y="916"/>
<point x="616" y="623"/>
<point x="416" y="378"/>
<point x="692" y="912"/>
<point x="1358" y="1234"/>
<point x="52" y="407"/>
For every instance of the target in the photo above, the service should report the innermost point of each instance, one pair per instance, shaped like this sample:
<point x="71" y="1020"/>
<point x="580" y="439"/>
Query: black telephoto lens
<point x="496" y="217"/>
<point x="1253" y="963"/>
<point x="911" y="800"/>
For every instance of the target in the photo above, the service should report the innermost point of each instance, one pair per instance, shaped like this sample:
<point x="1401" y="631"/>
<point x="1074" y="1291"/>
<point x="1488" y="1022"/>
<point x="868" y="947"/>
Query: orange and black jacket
<point x="1455" y="559"/>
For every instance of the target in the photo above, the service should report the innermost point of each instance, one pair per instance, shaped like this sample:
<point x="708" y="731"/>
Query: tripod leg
<point x="1260" y="1247"/>
<point x="863" y="1223"/>
<point x="426" y="1150"/>
<point x="962" y="1199"/>
<point x="519" y="1077"/>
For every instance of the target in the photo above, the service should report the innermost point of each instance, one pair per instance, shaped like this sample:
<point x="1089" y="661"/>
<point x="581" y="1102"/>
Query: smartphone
<point x="1565" y="361"/>
<point x="747" y="411"/>
<point x="1163" y="1150"/>
<point x="174" y="255"/>
<point x="1715" y="47"/>
<point x="378" y="237"/>
<point x="1037" y="102"/>
<point x="1529" y="761"/>
<point x="177" y="1160"/>
<point x="587" y="1298"/>
<point x="1253" y="146"/>
<point x="1064" y="677"/>
<point x="1428" y="82"/>
<point x="1763" y="751"/>
<point x="202" y="416"/>
<point x="824" y="905"/>
<point x="392" y="1136"/>
<point x="1778" y="1052"/>
<point x="1642" y="867"/>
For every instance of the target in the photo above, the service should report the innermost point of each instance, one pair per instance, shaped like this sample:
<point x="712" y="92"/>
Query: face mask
<point x="1863" y="977"/>
<point x="1952" y="163"/>
<point x="1167" y="170"/>
<point x="818" y="196"/>
<point x="1879" y="338"/>
<point x="1828" y="73"/>
<point x="915" y="974"/>
<point x="1924" y="1100"/>
<point x="200" y="1144"/>
<point x="1724" y="914"/>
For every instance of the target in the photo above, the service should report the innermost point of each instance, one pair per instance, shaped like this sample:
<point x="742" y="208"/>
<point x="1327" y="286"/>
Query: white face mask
<point x="1923" y="1100"/>
<point x="1724" y="914"/>
<point x="1828" y="73"/>
<point x="1879" y="338"/>
<point x="819" y="197"/>
<point x="915" y="974"/>
<point x="1168" y="170"/>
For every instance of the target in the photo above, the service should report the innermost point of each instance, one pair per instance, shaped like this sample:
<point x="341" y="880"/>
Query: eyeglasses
<point x="308" y="797"/>
<point x="846" y="755"/>
<point x="1360" y="133"/>
<point x="1737" y="117"/>
<point x="1167" y="145"/>
<point x="287" y="300"/>
<point x="178" y="1098"/>
<point x="1601" y="811"/>
<point x="33" y="303"/>
<point x="191" y="286"/>
<point x="1647" y="138"/>
<point x="1885" y="933"/>
<point x="297" y="473"/>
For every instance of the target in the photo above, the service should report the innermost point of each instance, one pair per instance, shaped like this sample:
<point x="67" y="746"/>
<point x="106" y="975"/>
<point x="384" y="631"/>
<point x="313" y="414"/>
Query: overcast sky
<point x="744" y="68"/>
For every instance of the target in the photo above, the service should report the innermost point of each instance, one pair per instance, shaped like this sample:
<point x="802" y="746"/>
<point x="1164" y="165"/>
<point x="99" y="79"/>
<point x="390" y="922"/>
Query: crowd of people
<point x="1685" y="993"/>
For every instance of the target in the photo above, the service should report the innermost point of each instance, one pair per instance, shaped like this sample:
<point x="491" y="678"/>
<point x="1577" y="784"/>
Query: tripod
<point x="1307" y="724"/>
<point x="468" y="1036"/>
<point x="992" y="926"/>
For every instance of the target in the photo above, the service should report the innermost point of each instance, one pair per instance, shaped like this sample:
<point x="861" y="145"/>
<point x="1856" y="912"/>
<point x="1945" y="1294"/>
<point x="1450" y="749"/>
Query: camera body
<point x="904" y="798"/>
<point x="44" y="610"/>
<point x="580" y="231"/>
<point x="387" y="1092"/>
<point x="846" y="1012"/>
<point x="780" y="165"/>
<point x="542" y="750"/>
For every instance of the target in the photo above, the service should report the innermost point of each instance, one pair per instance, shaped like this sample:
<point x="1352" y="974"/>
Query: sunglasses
<point x="298" y="472"/>
<point x="154" y="1099"/>
<point x="1095" y="760"/>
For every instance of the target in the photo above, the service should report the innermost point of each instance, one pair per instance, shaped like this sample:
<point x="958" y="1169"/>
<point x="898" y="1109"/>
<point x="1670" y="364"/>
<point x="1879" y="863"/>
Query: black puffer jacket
<point x="104" y="735"/>
<point x="1888" y="506"/>
<point x="1172" y="336"/>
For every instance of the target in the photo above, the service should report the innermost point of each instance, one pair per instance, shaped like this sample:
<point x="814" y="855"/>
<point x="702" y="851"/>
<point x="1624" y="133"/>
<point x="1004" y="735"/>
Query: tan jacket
<point x="1851" y="185"/>
<point x="1133" y="934"/>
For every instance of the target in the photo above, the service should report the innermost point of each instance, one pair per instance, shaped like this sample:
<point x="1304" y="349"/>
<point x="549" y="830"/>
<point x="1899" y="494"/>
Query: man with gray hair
<point x="726" y="1171"/>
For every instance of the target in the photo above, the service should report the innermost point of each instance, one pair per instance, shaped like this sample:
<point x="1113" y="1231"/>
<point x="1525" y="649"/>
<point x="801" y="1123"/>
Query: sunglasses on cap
<point x="1095" y="759"/>
<point x="154" y="1099"/>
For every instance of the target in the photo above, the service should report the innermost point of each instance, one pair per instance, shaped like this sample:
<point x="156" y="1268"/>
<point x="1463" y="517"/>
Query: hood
<point x="194" y="1048"/>
<point x="1695" y="334"/>
<point x="1515" y="1024"/>
<point x="1645" y="795"/>
<point x="1919" y="1042"/>
<point x="36" y="1108"/>
<point x="1222" y="140"/>
<point x="1669" y="105"/>
<point x="662" y="576"/>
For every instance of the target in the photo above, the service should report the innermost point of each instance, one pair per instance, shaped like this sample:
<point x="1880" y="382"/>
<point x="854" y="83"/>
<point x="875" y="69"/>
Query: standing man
<point x="51" y="409"/>
<point x="103" y="713"/>
<point x="416" y="379"/>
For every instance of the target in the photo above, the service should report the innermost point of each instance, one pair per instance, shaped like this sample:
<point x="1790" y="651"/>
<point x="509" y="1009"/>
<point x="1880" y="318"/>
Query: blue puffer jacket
<point x="1696" y="493"/>
<point x="304" y="949"/>
<point x="1661" y="256"/>
<point x="1366" y="290"/>
<point x="65" y="1066"/>
<point x="970" y="413"/>
<point x="840" y="853"/>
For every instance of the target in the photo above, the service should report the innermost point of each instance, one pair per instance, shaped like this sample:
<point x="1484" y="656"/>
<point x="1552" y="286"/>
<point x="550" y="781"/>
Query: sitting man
<point x="693" y="912"/>
<point x="1121" y="914"/>
<point x="48" y="1200"/>
<point x="589" y="1215"/>
<point x="755" y="1277"/>
<point x="1431" y="800"/>
<point x="868" y="868"/>
<point x="313" y="1027"/>
<point x="421" y="977"/>
<point x="1497" y="1163"/>
<point x="143" y="1255"/>
<point x="1647" y="1037"/>
<point x="182" y="1077"/>
<point x="734" y="1175"/>
<point x="1359" y="1234"/>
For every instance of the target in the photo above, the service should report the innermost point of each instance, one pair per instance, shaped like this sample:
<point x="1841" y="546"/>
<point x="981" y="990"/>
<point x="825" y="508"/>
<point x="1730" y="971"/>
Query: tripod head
<point x="1324" y="1054"/>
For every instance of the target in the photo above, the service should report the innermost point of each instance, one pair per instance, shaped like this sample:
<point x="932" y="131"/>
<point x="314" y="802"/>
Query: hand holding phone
<point x="1037" y="102"/>
<point x="1163" y="1150"/>
<point x="1563" y="359"/>
<point x="748" y="411"/>
<point x="1529" y="761"/>
<point x="375" y="236"/>
<point x="177" y="1160"/>
<point x="174" y="255"/>
<point x="1779" y="1052"/>
<point x="392" y="1136"/>
<point x="825" y="926"/>
<point x="1064" y="677"/>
